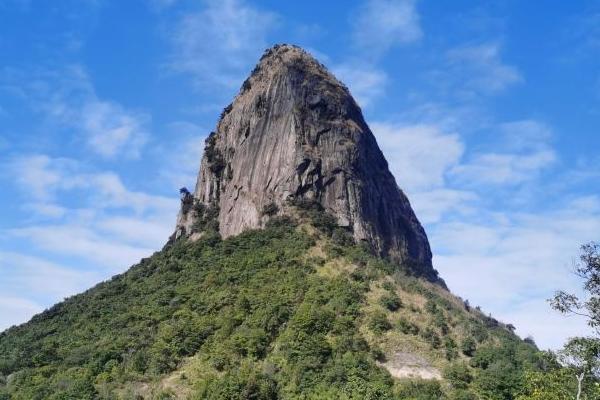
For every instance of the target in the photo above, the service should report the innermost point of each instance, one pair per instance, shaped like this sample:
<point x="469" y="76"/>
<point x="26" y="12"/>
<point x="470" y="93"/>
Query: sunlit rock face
<point x="294" y="133"/>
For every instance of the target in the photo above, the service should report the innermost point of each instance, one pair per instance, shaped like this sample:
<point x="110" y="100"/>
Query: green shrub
<point x="439" y="321"/>
<point x="451" y="351"/>
<point x="430" y="306"/>
<point x="458" y="375"/>
<point x="462" y="394"/>
<point x="391" y="301"/>
<point x="342" y="237"/>
<point x="468" y="346"/>
<point x="431" y="337"/>
<point x="270" y="209"/>
<point x="407" y="327"/>
<point x="378" y="322"/>
<point x="421" y="390"/>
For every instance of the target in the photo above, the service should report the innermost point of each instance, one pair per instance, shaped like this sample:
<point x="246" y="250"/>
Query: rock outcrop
<point x="293" y="133"/>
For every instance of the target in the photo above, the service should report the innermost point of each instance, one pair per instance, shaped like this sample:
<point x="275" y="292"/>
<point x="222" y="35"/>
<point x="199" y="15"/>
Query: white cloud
<point x="522" y="153"/>
<point x="45" y="209"/>
<point x="110" y="225"/>
<point x="433" y="204"/>
<point x="183" y="157"/>
<point x="88" y="244"/>
<point x="381" y="24"/>
<point x="67" y="97"/>
<point x="221" y="43"/>
<point x="42" y="177"/>
<point x="14" y="310"/>
<point x="480" y="68"/>
<point x="109" y="191"/>
<point x="419" y="155"/>
<point x="494" y="168"/>
<point x="41" y="281"/>
<point x="508" y="261"/>
<point x="27" y="274"/>
<point x="516" y="262"/>
<point x="112" y="130"/>
<point x="150" y="232"/>
<point x="366" y="83"/>
<point x="548" y="328"/>
<point x="88" y="220"/>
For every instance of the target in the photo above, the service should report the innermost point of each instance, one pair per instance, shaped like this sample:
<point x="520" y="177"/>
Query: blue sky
<point x="488" y="114"/>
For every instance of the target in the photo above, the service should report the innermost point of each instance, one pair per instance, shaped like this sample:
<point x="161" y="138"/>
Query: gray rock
<point x="295" y="132"/>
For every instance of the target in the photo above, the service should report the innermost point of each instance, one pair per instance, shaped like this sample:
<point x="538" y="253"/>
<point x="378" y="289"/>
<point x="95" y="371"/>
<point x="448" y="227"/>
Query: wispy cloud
<point x="183" y="157"/>
<point x="14" y="310"/>
<point x="433" y="205"/>
<point x="219" y="44"/>
<point x="507" y="259"/>
<point x="29" y="283"/>
<point x="419" y="155"/>
<point x="39" y="174"/>
<point x="109" y="224"/>
<point x="29" y="274"/>
<point x="515" y="261"/>
<point x="481" y="69"/>
<point x="366" y="83"/>
<point x="67" y="97"/>
<point x="42" y="177"/>
<point x="87" y="244"/>
<point x="380" y="25"/>
<point x="522" y="152"/>
<point x="377" y="27"/>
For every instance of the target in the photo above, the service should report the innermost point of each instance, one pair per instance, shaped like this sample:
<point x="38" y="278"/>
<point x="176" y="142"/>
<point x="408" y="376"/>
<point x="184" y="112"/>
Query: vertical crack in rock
<point x="295" y="132"/>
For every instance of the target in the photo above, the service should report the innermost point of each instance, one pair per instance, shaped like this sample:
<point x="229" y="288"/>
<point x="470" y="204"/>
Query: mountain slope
<point x="290" y="312"/>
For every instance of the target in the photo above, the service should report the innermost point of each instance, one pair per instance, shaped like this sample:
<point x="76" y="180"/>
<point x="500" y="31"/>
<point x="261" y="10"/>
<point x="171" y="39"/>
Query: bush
<point x="468" y="346"/>
<point x="391" y="301"/>
<point x="479" y="332"/>
<point x="458" y="375"/>
<point x="421" y="390"/>
<point x="439" y="320"/>
<point x="430" y="306"/>
<point x="451" y="349"/>
<point x="431" y="337"/>
<point x="389" y="286"/>
<point x="407" y="327"/>
<point x="342" y="237"/>
<point x="379" y="323"/>
<point x="463" y="395"/>
<point x="207" y="217"/>
<point x="270" y="209"/>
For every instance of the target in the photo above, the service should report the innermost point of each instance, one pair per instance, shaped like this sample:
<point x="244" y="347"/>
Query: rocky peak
<point x="294" y="133"/>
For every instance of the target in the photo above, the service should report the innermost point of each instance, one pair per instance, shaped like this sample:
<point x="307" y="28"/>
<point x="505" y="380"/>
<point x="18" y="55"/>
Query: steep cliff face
<point x="294" y="133"/>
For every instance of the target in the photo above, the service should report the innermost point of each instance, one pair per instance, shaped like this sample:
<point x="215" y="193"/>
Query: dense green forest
<point x="293" y="311"/>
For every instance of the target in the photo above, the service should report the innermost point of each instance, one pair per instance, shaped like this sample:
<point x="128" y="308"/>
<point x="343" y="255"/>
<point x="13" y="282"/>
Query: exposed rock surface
<point x="295" y="132"/>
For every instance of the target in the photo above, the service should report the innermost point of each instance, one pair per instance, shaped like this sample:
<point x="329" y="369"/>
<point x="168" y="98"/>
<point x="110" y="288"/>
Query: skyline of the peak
<point x="487" y="117"/>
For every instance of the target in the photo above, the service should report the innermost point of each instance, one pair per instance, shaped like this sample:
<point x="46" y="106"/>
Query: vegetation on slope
<point x="293" y="311"/>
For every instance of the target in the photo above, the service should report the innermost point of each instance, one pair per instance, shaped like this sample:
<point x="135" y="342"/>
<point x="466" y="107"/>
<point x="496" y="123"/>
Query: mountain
<point x="297" y="270"/>
<point x="295" y="134"/>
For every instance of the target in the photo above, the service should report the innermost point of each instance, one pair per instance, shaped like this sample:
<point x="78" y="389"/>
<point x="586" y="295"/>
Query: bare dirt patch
<point x="403" y="365"/>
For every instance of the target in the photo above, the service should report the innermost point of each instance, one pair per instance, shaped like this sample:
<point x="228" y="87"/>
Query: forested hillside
<point x="294" y="311"/>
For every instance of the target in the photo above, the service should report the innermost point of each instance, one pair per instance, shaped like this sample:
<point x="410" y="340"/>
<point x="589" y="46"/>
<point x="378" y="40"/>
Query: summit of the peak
<point x="294" y="134"/>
